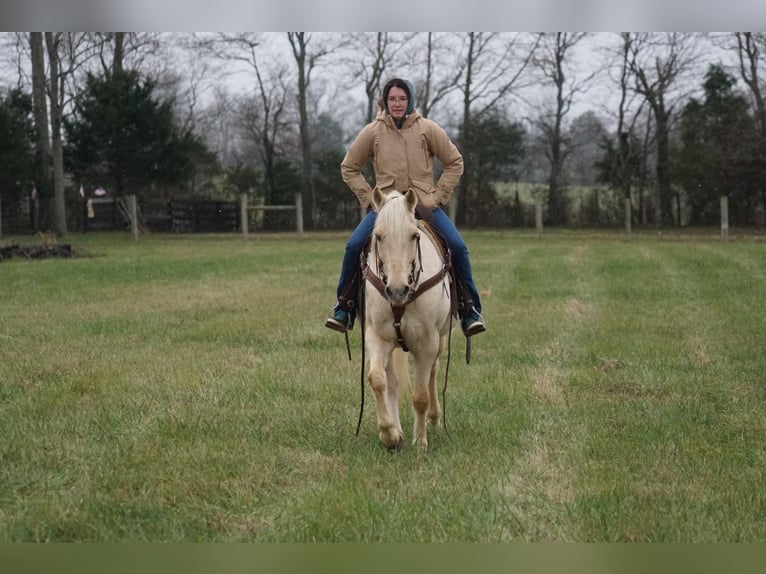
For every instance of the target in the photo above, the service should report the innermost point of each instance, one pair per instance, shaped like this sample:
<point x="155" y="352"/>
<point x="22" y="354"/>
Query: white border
<point x="399" y="15"/>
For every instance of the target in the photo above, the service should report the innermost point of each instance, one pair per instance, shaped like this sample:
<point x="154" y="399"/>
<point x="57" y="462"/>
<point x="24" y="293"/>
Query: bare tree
<point x="15" y="56"/>
<point x="117" y="50"/>
<point x="68" y="53"/>
<point x="63" y="54"/>
<point x="271" y="99"/>
<point x="553" y="59"/>
<point x="442" y="70"/>
<point x="373" y="55"/>
<point x="623" y="130"/>
<point x="627" y="115"/>
<point x="306" y="62"/>
<point x="495" y="66"/>
<point x="264" y="112"/>
<point x="749" y="50"/>
<point x="218" y="126"/>
<point x="183" y="83"/>
<point x="751" y="55"/>
<point x="585" y="133"/>
<point x="659" y="62"/>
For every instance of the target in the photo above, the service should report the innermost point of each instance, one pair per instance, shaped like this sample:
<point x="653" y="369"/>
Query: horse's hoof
<point x="392" y="441"/>
<point x="398" y="446"/>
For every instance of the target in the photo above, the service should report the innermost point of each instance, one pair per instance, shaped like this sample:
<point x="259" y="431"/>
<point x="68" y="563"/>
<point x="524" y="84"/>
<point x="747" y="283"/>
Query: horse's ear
<point x="411" y="199"/>
<point x="378" y="199"/>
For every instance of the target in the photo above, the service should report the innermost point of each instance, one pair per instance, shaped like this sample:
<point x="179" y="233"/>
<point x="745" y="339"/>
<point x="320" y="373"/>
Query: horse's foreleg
<point x="392" y="391"/>
<point x="434" y="408"/>
<point x="422" y="401"/>
<point x="387" y="428"/>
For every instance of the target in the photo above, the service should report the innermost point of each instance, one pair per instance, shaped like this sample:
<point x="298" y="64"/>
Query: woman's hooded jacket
<point x="403" y="158"/>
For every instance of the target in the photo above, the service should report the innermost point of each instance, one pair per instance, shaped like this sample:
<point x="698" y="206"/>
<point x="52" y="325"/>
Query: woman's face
<point x="397" y="102"/>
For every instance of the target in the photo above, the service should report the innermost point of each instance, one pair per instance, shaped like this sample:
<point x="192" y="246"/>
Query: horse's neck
<point x="435" y="238"/>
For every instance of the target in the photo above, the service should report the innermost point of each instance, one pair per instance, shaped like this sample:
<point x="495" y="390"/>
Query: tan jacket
<point x="403" y="158"/>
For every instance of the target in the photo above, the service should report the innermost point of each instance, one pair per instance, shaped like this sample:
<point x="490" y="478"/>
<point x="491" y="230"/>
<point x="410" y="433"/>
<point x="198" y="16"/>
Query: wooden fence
<point x="204" y="216"/>
<point x="180" y="216"/>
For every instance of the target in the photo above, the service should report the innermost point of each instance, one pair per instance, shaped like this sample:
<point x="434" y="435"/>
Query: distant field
<point x="586" y="206"/>
<point x="183" y="388"/>
<point x="528" y="190"/>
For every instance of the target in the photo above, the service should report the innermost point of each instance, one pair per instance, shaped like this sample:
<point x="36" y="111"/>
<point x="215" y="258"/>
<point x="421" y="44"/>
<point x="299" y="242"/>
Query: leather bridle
<point x="416" y="290"/>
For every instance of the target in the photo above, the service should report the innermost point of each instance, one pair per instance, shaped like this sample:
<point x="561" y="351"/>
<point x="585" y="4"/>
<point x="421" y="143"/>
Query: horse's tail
<point x="401" y="367"/>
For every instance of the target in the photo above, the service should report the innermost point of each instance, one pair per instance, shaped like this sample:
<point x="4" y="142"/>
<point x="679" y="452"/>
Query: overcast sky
<point x="601" y="97"/>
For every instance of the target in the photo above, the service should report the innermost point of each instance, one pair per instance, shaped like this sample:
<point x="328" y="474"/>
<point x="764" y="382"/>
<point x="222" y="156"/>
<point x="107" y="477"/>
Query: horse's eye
<point x="415" y="236"/>
<point x="378" y="237"/>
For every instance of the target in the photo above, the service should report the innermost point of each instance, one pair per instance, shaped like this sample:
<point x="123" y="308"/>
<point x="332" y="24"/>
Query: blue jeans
<point x="443" y="223"/>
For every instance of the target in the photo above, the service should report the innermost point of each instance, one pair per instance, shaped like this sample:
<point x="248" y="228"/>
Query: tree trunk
<point x="119" y="52"/>
<point x="555" y="201"/>
<point x="56" y="103"/>
<point x="624" y="175"/>
<point x="644" y="172"/>
<point x="664" y="189"/>
<point x="555" y="207"/>
<point x="298" y="42"/>
<point x="43" y="176"/>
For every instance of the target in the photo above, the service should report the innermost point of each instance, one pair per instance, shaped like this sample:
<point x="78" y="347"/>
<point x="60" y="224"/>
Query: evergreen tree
<point x="497" y="150"/>
<point x="16" y="147"/>
<point x="123" y="138"/>
<point x="718" y="152"/>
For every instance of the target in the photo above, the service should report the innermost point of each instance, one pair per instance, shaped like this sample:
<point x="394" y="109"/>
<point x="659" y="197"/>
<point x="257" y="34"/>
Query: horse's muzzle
<point x="398" y="295"/>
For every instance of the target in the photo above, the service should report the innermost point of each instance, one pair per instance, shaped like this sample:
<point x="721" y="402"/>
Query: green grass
<point x="183" y="388"/>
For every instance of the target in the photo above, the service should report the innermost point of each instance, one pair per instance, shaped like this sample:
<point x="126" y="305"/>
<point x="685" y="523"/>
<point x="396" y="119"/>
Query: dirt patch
<point x="38" y="251"/>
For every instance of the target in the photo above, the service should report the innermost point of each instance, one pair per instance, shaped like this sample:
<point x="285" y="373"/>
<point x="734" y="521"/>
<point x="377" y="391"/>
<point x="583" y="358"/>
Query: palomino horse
<point x="407" y="306"/>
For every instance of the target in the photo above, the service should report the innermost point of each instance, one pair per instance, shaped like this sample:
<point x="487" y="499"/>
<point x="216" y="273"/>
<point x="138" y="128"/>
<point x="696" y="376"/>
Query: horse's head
<point x="396" y="241"/>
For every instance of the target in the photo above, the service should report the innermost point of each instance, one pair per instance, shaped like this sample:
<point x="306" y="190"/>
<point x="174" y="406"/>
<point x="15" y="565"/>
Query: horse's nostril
<point x="397" y="293"/>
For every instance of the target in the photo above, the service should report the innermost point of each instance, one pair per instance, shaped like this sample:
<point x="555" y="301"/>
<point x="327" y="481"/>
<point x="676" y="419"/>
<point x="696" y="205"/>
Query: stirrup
<point x="335" y="320"/>
<point x="335" y="325"/>
<point x="474" y="327"/>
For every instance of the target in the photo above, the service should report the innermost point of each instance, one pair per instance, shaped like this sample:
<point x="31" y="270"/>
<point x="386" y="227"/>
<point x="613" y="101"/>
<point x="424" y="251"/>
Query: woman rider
<point x="401" y="145"/>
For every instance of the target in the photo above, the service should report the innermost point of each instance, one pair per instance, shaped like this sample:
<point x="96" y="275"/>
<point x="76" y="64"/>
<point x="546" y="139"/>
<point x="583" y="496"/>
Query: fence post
<point x="84" y="215"/>
<point x="243" y="222"/>
<point x="724" y="218"/>
<point x="133" y="211"/>
<point x="539" y="212"/>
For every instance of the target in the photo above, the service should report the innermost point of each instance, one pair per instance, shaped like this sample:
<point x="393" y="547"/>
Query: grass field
<point x="183" y="388"/>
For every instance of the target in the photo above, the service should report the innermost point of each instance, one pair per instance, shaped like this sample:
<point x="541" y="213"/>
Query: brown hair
<point x="396" y="83"/>
<point x="404" y="85"/>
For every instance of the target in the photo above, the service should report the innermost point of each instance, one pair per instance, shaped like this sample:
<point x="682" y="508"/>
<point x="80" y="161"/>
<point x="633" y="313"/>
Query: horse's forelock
<point x="394" y="217"/>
